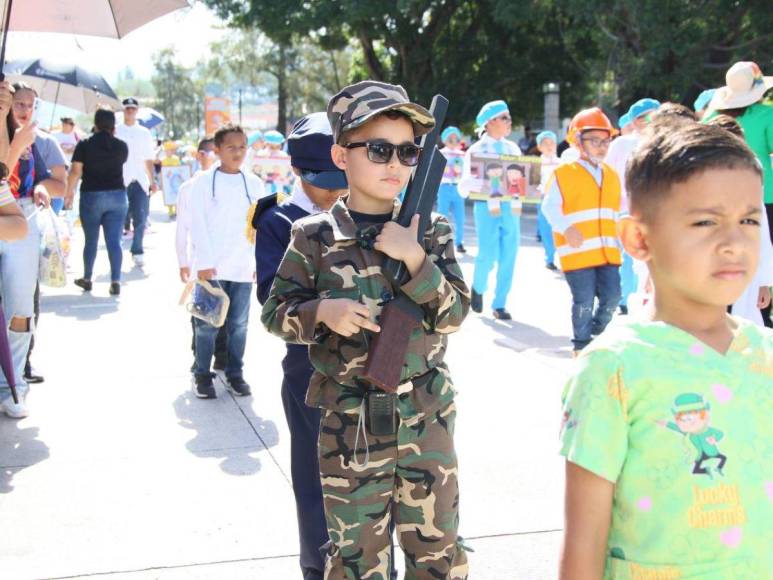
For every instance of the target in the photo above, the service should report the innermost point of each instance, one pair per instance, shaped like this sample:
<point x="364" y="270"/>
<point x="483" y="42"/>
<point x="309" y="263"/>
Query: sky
<point x="189" y="30"/>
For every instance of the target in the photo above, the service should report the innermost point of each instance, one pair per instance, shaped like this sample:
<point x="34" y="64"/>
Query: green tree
<point x="178" y="94"/>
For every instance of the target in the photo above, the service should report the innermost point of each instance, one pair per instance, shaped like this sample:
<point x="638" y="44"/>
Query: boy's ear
<point x="338" y="154"/>
<point x="633" y="234"/>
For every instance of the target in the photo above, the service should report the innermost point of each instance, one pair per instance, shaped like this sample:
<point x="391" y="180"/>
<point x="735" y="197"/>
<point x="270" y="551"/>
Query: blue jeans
<point x="587" y="284"/>
<point x="498" y="240"/>
<point x="451" y="204"/>
<point x="139" y="207"/>
<point x="239" y="293"/>
<point x="546" y="233"/>
<point x="19" y="262"/>
<point x="106" y="209"/>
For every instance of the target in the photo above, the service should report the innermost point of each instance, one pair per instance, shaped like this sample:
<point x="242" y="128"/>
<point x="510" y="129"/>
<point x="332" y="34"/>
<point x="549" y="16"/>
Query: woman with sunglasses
<point x="497" y="222"/>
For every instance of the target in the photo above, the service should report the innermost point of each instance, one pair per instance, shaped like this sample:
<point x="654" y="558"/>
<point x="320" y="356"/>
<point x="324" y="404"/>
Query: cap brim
<point x="422" y="119"/>
<point x="325" y="179"/>
<point x="725" y="99"/>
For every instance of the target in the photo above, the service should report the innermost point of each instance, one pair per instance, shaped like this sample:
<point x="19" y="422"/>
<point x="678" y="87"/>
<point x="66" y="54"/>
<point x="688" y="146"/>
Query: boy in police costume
<point x="329" y="293"/>
<point x="497" y="223"/>
<point x="320" y="183"/>
<point x="583" y="207"/>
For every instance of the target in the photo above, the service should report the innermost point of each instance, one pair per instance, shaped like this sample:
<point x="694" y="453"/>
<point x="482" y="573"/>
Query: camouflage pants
<point x="411" y="476"/>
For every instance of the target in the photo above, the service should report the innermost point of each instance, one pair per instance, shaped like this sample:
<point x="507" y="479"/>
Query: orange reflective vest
<point x="593" y="211"/>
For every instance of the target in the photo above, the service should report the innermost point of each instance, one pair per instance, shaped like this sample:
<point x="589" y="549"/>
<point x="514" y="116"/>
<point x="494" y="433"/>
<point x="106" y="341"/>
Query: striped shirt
<point x="6" y="197"/>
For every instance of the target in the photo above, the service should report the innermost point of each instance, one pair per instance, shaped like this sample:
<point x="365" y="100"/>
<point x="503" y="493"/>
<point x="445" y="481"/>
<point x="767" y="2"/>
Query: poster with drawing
<point x="506" y="177"/>
<point x="276" y="173"/>
<point x="172" y="177"/>
<point x="454" y="162"/>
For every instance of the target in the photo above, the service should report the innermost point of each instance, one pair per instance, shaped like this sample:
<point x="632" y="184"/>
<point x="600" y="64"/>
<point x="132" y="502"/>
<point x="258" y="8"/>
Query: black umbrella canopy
<point x="67" y="74"/>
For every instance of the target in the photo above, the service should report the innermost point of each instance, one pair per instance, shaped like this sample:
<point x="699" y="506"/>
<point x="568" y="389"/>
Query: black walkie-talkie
<point x="380" y="412"/>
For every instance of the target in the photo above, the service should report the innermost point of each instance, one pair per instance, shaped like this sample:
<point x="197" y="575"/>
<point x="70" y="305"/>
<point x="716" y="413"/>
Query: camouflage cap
<point x="356" y="104"/>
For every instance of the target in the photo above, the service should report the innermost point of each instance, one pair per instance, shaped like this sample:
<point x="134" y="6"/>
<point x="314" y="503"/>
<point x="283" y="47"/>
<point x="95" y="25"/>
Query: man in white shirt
<point x="67" y="137"/>
<point x="221" y="203"/>
<point x="137" y="173"/>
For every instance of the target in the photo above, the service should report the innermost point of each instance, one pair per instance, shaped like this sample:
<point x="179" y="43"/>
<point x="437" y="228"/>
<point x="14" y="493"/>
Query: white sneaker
<point x="15" y="410"/>
<point x="139" y="260"/>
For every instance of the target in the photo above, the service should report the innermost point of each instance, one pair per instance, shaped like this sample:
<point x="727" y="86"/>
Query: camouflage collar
<point x="344" y="227"/>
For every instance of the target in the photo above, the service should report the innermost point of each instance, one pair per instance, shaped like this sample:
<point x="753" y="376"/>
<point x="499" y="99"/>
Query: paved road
<point x="121" y="472"/>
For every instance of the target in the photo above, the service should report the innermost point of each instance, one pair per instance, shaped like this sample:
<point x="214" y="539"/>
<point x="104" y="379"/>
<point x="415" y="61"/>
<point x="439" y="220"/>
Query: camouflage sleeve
<point x="439" y="285"/>
<point x="291" y="309"/>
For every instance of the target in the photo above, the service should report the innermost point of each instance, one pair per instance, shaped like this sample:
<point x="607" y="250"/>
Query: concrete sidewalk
<point x="121" y="471"/>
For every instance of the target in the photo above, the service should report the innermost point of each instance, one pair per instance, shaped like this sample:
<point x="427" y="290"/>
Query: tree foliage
<point x="607" y="52"/>
<point x="178" y="94"/>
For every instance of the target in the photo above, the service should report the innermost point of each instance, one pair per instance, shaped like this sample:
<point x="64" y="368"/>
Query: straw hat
<point x="745" y="86"/>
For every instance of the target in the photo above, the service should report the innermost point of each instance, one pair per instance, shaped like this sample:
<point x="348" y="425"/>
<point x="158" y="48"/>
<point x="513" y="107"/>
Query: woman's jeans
<point x="19" y="264"/>
<point x="106" y="209"/>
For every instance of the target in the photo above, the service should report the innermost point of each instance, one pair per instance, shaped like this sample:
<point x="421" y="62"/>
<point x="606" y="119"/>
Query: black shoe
<point x="476" y="303"/>
<point x="551" y="266"/>
<point x="219" y="364"/>
<point x="115" y="288"/>
<point x="461" y="249"/>
<point x="32" y="378"/>
<point x="204" y="388"/>
<point x="83" y="283"/>
<point x="623" y="309"/>
<point x="502" y="314"/>
<point x="238" y="386"/>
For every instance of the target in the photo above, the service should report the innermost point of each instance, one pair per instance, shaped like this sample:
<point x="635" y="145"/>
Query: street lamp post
<point x="552" y="91"/>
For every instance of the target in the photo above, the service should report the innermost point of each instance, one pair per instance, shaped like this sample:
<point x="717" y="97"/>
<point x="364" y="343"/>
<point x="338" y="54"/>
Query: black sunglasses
<point x="381" y="152"/>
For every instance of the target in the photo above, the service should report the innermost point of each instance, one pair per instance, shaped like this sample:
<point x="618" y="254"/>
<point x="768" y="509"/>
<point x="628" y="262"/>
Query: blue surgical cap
<point x="490" y="111"/>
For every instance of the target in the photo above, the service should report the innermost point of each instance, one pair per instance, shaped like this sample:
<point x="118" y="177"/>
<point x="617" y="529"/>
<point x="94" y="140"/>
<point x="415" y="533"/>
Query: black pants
<point x="767" y="311"/>
<point x="699" y="469"/>
<point x="28" y="365"/>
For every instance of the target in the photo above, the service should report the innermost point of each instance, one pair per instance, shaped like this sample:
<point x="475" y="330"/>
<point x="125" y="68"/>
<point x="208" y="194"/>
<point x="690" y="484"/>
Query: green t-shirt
<point x="686" y="436"/>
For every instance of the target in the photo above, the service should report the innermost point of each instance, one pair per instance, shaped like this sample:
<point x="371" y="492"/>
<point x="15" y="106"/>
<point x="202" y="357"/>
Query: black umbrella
<point x="63" y="84"/>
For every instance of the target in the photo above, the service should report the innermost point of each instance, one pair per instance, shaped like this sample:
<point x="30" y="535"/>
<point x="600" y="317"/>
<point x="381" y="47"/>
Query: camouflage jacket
<point x="330" y="257"/>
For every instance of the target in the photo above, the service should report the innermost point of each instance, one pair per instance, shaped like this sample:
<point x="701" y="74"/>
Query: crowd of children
<point x="665" y="421"/>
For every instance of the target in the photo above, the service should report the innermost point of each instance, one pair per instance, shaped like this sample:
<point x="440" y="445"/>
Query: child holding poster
<point x="449" y="202"/>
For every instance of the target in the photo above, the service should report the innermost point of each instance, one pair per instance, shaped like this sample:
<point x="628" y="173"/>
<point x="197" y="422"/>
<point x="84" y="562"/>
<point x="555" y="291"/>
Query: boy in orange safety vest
<point x="582" y="205"/>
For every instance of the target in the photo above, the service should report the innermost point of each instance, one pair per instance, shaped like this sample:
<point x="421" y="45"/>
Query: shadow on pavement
<point x="20" y="448"/>
<point x="522" y="337"/>
<point x="84" y="306"/>
<point x="132" y="275"/>
<point x="220" y="430"/>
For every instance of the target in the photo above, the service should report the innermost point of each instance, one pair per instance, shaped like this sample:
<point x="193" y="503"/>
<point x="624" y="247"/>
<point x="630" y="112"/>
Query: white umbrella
<point x="111" y="18"/>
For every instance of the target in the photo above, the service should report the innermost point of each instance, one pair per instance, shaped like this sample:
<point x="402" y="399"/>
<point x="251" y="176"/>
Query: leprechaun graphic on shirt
<point x="692" y="419"/>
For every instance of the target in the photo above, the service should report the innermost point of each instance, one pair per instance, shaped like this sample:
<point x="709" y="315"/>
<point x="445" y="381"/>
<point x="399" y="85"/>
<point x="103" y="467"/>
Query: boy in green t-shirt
<point x="666" y="428"/>
<point x="329" y="293"/>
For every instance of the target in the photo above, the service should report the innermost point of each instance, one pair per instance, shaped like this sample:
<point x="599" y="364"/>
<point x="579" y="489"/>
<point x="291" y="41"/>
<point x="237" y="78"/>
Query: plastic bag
<point x="206" y="301"/>
<point x="54" y="250"/>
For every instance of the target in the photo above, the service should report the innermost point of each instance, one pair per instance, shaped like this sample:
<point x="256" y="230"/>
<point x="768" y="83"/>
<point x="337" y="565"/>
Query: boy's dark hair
<point x="227" y="129"/>
<point x="204" y="143"/>
<point x="728" y="123"/>
<point x="3" y="172"/>
<point x="104" y="120"/>
<point x="674" y="110"/>
<point x="345" y="137"/>
<point x="670" y="157"/>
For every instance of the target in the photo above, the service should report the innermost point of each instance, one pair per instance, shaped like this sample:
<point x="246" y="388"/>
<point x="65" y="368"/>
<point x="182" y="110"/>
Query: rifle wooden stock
<point x="389" y="347"/>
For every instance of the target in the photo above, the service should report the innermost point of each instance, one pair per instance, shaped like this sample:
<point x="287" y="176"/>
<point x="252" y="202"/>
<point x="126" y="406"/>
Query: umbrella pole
<point x="6" y="28"/>
<point x="56" y="100"/>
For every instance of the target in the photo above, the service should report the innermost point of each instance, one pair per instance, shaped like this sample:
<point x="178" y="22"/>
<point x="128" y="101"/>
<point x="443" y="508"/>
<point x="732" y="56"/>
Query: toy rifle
<point x="402" y="316"/>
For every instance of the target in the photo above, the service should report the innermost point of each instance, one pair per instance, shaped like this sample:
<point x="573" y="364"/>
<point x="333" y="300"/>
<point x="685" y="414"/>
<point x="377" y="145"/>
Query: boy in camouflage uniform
<point x="329" y="293"/>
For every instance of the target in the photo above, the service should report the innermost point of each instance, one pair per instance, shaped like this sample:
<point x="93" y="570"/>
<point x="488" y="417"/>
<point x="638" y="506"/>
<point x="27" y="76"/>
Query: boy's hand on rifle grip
<point x="344" y="316"/>
<point x="400" y="243"/>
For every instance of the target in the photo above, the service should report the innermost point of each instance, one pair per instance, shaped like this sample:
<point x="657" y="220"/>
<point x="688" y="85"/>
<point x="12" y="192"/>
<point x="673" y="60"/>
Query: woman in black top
<point x="99" y="161"/>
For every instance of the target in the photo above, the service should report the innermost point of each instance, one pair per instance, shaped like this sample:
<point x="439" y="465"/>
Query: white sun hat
<point x="745" y="86"/>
